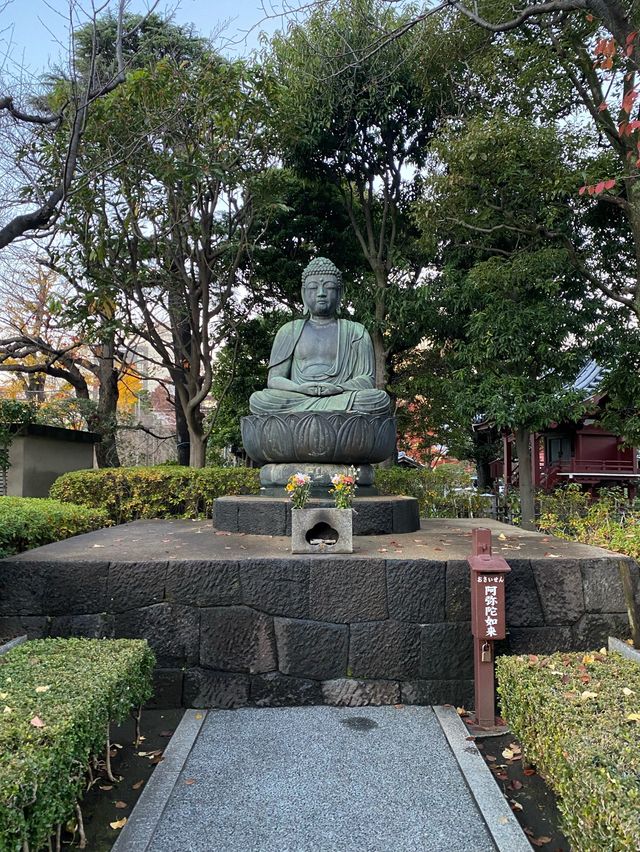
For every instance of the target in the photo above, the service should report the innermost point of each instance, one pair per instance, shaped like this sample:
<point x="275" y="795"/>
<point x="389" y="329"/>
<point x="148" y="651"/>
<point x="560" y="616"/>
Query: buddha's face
<point x="321" y="295"/>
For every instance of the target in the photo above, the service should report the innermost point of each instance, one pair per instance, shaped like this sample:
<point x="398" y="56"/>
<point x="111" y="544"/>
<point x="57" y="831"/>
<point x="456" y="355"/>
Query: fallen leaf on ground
<point x="491" y="758"/>
<point x="106" y="786"/>
<point x="42" y="688"/>
<point x="515" y="805"/>
<point x="516" y="785"/>
<point x="552" y="555"/>
<point x="119" y="823"/>
<point x="627" y="691"/>
<point x="121" y="805"/>
<point x="190" y="781"/>
<point x="169" y="733"/>
<point x="529" y="771"/>
<point x="586" y="695"/>
<point x="634" y="717"/>
<point x="37" y="722"/>
<point x="137" y="785"/>
<point x="198" y="716"/>
<point x="502" y="537"/>
<point x="503" y="820"/>
<point x="540" y="841"/>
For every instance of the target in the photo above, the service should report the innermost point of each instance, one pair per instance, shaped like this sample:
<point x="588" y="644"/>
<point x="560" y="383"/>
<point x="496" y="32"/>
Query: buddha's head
<point x="321" y="288"/>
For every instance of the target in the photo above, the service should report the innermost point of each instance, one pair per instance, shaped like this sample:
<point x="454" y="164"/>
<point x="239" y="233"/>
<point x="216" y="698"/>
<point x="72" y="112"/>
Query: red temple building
<point x="579" y="451"/>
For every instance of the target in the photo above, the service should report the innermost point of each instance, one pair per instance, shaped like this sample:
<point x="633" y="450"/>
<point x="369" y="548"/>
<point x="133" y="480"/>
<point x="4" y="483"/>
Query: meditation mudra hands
<point x="319" y="389"/>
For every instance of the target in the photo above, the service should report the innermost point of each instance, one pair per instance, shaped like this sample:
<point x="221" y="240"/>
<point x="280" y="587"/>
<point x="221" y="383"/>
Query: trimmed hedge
<point x="170" y="491"/>
<point x="165" y="491"/>
<point x="443" y="492"/>
<point x="74" y="687"/>
<point x="578" y="719"/>
<point x="27" y="522"/>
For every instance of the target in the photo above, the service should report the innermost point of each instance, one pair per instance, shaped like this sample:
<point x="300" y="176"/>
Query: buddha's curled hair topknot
<point x="319" y="266"/>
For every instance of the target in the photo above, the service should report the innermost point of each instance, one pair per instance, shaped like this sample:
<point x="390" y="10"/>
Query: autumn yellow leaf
<point x="588" y="658"/>
<point x="42" y="688"/>
<point x="586" y="695"/>
<point x="7" y="710"/>
<point x="4" y="696"/>
<point x="633" y="717"/>
<point x="119" y="823"/>
<point x="508" y="754"/>
<point x="502" y="537"/>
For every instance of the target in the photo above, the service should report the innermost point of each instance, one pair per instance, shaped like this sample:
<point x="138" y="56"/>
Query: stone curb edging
<point x="137" y="834"/>
<point x="502" y="824"/>
<point x="625" y="650"/>
<point x="11" y="644"/>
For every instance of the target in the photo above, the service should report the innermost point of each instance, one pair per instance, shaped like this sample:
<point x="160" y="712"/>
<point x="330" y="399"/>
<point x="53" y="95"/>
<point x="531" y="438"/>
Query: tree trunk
<point x="527" y="495"/>
<point x="106" y="416"/>
<point x="182" y="433"/>
<point x="197" y="448"/>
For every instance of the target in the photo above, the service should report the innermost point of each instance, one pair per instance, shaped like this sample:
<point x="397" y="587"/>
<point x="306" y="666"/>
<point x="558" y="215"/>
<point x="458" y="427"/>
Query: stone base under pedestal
<point x="258" y="515"/>
<point x="277" y="475"/>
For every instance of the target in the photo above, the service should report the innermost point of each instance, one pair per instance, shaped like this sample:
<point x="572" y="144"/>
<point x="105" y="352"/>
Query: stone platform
<point x="258" y="515"/>
<point x="238" y="620"/>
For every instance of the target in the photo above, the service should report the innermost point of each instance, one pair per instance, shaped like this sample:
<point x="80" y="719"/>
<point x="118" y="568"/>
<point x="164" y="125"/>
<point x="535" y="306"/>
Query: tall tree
<point x="164" y="232"/>
<point x="510" y="308"/>
<point x="23" y="127"/>
<point x="360" y="119"/>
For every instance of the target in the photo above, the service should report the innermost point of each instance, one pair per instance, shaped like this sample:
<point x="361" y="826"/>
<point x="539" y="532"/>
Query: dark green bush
<point x="578" y="717"/>
<point x="165" y="491"/>
<point x="74" y="687"/>
<point x="27" y="522"/>
<point x="444" y="492"/>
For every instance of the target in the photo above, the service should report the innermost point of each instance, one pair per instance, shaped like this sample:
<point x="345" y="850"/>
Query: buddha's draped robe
<point x="352" y="369"/>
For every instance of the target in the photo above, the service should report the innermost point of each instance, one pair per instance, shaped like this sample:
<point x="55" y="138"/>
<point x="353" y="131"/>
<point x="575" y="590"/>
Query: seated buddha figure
<point x="321" y="362"/>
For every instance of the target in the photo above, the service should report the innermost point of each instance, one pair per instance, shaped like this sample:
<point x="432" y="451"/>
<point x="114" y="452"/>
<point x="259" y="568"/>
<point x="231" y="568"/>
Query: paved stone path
<point x="321" y="779"/>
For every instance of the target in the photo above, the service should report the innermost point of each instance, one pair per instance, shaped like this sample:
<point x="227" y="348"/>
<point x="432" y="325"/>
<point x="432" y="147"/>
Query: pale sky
<point x="34" y="33"/>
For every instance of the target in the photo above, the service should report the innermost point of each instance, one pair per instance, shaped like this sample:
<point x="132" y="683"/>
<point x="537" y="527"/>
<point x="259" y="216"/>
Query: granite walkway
<point x="315" y="779"/>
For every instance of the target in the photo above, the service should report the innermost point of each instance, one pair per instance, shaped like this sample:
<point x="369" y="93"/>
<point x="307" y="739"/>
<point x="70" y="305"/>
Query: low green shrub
<point x="164" y="491"/>
<point x="171" y="491"/>
<point x="610" y="521"/>
<point x="444" y="492"/>
<point x="27" y="522"/>
<point x="58" y="697"/>
<point x="578" y="717"/>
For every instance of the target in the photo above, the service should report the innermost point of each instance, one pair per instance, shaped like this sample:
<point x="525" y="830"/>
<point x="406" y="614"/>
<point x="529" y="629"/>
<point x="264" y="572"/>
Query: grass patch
<point x="578" y="719"/>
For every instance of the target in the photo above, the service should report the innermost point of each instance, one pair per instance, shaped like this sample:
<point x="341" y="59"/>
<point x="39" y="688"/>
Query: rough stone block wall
<point x="335" y="630"/>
